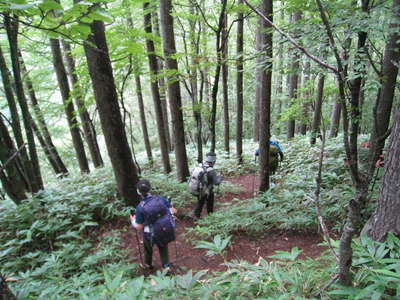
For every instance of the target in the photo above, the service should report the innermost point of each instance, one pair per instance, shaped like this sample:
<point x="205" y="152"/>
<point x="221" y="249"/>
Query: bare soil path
<point x="184" y="256"/>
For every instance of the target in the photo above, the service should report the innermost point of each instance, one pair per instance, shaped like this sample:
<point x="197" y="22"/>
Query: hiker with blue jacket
<point x="275" y="149"/>
<point x="202" y="182"/>
<point x="153" y="217"/>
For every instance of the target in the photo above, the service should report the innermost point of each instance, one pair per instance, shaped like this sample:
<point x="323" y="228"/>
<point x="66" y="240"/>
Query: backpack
<point x="159" y="218"/>
<point x="197" y="184"/>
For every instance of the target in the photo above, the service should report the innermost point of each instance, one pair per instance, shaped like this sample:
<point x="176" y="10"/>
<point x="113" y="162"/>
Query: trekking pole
<point x="175" y="219"/>
<point x="254" y="177"/>
<point x="138" y="245"/>
<point x="137" y="241"/>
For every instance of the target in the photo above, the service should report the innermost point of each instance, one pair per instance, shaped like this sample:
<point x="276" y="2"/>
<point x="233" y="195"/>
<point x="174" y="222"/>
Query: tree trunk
<point x="105" y="93"/>
<point x="307" y="95"/>
<point x="239" y="87"/>
<point x="161" y="85"/>
<point x="335" y="119"/>
<point x="214" y="93"/>
<point x="12" y="176"/>
<point x="174" y="93"/>
<point x="15" y="121"/>
<point x="193" y="70"/>
<point x="315" y="131"/>
<point x="87" y="125"/>
<point x="42" y="132"/>
<point x="68" y="105"/>
<point x="259" y="63"/>
<point x="32" y="166"/>
<point x="143" y="119"/>
<point x="224" y="66"/>
<point x="387" y="215"/>
<point x="265" y="103"/>
<point x="46" y="149"/>
<point x="390" y="69"/>
<point x="5" y="292"/>
<point x="294" y="79"/>
<point x="154" y="72"/>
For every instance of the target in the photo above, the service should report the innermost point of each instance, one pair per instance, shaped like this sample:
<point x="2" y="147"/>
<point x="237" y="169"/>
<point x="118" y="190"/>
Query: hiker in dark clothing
<point x="145" y="221"/>
<point x="211" y="178"/>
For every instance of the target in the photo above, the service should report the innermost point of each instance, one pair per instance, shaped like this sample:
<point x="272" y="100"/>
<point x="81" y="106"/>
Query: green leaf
<point x="15" y="6"/>
<point x="388" y="273"/>
<point x="82" y="29"/>
<point x="101" y="15"/>
<point x="50" y="5"/>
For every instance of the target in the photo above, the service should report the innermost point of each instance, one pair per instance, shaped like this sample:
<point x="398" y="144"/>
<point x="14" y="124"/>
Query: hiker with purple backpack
<point x="153" y="217"/>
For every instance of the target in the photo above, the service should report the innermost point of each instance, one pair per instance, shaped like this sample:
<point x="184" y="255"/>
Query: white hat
<point x="211" y="157"/>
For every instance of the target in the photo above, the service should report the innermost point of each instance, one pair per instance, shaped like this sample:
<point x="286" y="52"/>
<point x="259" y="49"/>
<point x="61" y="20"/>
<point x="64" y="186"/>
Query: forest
<point x="296" y="102"/>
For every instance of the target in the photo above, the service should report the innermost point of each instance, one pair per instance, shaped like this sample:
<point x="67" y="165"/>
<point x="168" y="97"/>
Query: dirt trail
<point x="184" y="256"/>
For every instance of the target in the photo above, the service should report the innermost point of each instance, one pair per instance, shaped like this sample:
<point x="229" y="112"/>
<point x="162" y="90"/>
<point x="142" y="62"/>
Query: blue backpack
<point x="158" y="217"/>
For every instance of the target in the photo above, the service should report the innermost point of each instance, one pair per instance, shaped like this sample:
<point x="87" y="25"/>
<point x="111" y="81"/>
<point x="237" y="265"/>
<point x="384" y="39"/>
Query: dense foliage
<point x="59" y="245"/>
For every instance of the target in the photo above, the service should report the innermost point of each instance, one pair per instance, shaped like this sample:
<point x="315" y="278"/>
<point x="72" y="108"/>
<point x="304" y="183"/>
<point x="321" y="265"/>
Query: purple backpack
<point x="158" y="217"/>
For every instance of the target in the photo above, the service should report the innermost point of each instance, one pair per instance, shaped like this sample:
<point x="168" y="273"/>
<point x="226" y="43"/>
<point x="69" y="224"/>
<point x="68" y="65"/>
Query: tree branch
<point x="291" y="40"/>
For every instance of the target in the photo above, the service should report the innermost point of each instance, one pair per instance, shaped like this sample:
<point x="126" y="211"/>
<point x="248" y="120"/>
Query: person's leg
<point x="210" y="203"/>
<point x="199" y="206"/>
<point x="148" y="252"/>
<point x="164" y="257"/>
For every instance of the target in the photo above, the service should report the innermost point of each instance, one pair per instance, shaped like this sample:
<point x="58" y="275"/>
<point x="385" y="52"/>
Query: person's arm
<point x="138" y="219"/>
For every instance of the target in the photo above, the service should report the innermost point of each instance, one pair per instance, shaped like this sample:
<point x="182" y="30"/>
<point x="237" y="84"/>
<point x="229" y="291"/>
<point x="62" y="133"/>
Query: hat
<point x="211" y="157"/>
<point x="143" y="186"/>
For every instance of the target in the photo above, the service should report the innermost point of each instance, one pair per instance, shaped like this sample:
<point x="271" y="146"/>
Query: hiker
<point x="201" y="184"/>
<point x="154" y="218"/>
<point x="275" y="149"/>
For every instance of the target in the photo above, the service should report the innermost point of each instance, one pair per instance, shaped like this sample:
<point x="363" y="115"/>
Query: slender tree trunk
<point x="87" y="125"/>
<point x="101" y="74"/>
<point x="335" y="119"/>
<point x="315" y="131"/>
<point x="294" y="79"/>
<point x="68" y="105"/>
<point x="390" y="69"/>
<point x="41" y="130"/>
<point x="32" y="165"/>
<point x="306" y="105"/>
<point x="239" y="87"/>
<point x="214" y="93"/>
<point x="161" y="85"/>
<point x="224" y="66"/>
<point x="154" y="72"/>
<point x="46" y="148"/>
<point x="258" y="75"/>
<point x="143" y="119"/>
<point x="265" y="103"/>
<point x="193" y="69"/>
<point x="11" y="174"/>
<point x="174" y="93"/>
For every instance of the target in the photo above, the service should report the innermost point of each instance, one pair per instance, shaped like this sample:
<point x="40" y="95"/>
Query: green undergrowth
<point x="60" y="244"/>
